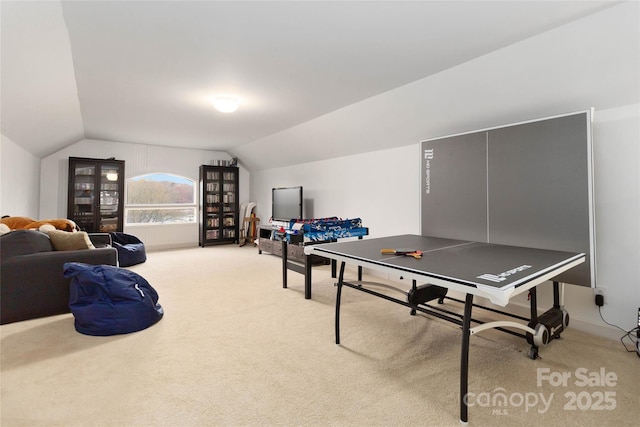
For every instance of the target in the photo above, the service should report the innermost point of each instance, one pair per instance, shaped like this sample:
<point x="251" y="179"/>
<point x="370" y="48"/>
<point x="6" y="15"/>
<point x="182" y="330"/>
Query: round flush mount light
<point x="225" y="104"/>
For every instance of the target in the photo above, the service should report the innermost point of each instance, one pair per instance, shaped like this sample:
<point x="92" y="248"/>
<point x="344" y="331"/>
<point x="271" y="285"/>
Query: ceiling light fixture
<point x="225" y="104"/>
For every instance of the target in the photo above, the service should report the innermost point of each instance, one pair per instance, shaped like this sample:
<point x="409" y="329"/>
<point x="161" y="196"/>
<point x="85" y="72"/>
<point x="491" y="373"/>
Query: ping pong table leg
<point x="338" y="296"/>
<point x="360" y="267"/>
<point x="307" y="276"/>
<point x="464" y="359"/>
<point x="414" y="285"/>
<point x="284" y="264"/>
<point x="533" y="302"/>
<point x="533" y="307"/>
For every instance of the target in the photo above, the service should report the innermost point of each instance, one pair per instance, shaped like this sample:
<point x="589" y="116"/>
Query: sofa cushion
<point x="67" y="241"/>
<point x="24" y="242"/>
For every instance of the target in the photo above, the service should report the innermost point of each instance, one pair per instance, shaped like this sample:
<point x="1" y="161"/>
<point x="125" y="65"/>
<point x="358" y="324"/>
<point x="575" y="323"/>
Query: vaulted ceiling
<point x="145" y="72"/>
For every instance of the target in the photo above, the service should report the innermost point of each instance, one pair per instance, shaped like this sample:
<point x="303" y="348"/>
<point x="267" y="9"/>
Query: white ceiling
<point x="143" y="72"/>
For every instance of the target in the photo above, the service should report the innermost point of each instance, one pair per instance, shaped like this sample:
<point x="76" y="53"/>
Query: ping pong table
<point x="496" y="272"/>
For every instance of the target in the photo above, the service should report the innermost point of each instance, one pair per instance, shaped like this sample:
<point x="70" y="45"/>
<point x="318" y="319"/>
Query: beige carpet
<point x="235" y="349"/>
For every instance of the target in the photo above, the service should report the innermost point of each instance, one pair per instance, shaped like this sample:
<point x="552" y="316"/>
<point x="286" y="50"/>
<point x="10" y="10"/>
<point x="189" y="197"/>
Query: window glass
<point x="160" y="198"/>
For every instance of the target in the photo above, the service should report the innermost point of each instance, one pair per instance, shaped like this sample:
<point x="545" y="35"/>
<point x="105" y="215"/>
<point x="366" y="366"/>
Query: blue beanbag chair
<point x="130" y="249"/>
<point x="107" y="300"/>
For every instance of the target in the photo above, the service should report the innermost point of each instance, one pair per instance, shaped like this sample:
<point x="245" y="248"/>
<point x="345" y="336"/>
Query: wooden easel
<point x="249" y="230"/>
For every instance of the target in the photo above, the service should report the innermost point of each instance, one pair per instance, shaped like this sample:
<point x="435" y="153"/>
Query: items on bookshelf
<point x="228" y="163"/>
<point x="218" y="205"/>
<point x="95" y="195"/>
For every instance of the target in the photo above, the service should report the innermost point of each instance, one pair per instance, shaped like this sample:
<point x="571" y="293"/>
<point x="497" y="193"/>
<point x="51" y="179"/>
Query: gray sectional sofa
<point x="31" y="273"/>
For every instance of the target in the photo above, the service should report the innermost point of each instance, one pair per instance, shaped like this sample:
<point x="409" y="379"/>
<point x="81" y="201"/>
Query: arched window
<point x="160" y="198"/>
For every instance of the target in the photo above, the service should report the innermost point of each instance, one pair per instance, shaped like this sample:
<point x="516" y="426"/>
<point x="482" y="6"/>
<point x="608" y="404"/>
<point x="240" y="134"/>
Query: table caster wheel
<point x="541" y="336"/>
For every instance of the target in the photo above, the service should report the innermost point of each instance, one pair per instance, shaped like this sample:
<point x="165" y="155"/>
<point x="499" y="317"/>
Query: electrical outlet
<point x="602" y="292"/>
<point x="599" y="300"/>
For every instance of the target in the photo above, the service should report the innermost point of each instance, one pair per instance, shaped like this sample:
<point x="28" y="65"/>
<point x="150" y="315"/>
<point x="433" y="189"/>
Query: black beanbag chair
<point x="107" y="300"/>
<point x="130" y="249"/>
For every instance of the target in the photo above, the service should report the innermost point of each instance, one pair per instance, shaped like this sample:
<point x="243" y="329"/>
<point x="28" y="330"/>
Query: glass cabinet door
<point x="229" y="204"/>
<point x="84" y="195"/>
<point x="110" y="178"/>
<point x="212" y="205"/>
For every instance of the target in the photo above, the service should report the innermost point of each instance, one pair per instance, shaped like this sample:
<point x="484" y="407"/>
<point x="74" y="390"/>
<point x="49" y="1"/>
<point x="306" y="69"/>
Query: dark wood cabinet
<point x="219" y="209"/>
<point x="268" y="241"/>
<point x="96" y="194"/>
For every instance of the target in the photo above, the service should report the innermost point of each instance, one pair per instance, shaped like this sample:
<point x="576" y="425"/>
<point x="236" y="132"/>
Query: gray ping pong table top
<point x="458" y="261"/>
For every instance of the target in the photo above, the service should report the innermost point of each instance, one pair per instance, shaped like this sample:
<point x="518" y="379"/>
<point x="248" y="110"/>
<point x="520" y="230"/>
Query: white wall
<point x="39" y="92"/>
<point x="20" y="177"/>
<point x="380" y="187"/>
<point x="593" y="62"/>
<point x="139" y="159"/>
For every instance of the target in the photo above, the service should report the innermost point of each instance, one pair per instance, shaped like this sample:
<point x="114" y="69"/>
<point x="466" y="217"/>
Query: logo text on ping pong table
<point x="428" y="156"/>
<point x="503" y="276"/>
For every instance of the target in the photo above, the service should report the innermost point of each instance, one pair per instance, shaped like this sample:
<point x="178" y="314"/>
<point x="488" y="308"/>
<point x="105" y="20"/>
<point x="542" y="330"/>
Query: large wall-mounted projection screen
<point x="527" y="184"/>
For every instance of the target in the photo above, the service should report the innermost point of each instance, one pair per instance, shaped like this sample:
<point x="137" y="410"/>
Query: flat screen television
<point x="286" y="203"/>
